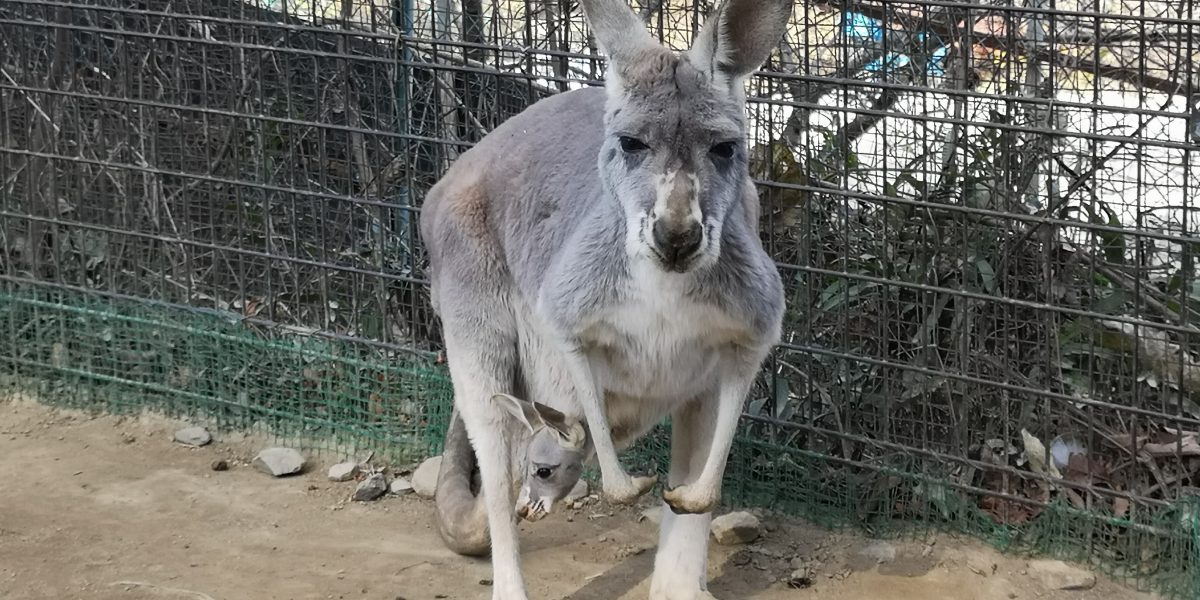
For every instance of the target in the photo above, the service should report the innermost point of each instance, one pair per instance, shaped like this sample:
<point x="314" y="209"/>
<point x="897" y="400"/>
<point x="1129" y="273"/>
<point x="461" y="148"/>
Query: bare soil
<point x="107" y="508"/>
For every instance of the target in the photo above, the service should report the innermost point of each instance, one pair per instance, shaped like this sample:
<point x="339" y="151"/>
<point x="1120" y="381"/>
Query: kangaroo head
<point x="674" y="151"/>
<point x="553" y="459"/>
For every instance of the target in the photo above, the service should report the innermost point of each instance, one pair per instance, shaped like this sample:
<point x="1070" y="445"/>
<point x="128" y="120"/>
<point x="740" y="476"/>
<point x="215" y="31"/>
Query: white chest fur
<point x="657" y="344"/>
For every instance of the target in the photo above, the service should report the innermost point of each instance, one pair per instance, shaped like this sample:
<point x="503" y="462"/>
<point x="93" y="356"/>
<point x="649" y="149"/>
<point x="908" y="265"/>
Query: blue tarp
<point x="862" y="28"/>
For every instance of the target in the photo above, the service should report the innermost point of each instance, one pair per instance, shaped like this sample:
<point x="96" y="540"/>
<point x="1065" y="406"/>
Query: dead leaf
<point x="1035" y="453"/>
<point x="1120" y="507"/>
<point x="1075" y="498"/>
<point x="1008" y="512"/>
<point x="1187" y="445"/>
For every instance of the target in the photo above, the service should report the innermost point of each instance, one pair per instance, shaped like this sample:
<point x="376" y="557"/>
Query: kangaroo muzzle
<point x="677" y="244"/>
<point x="677" y="233"/>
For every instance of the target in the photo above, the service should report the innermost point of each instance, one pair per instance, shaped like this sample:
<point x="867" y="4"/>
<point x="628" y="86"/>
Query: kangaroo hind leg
<point x="481" y="351"/>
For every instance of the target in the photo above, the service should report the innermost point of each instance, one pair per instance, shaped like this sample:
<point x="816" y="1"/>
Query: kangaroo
<point x="598" y="253"/>
<point x="551" y="465"/>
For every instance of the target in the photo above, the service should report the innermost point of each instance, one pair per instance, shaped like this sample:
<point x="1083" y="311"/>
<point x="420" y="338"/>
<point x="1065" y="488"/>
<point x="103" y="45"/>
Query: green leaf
<point x="851" y="160"/>
<point x="831" y="294"/>
<point x="784" y="408"/>
<point x="987" y="275"/>
<point x="1111" y="303"/>
<point x="840" y="292"/>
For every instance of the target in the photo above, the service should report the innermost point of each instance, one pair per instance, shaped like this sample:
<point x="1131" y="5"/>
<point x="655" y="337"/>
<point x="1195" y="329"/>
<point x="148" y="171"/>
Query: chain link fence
<point x="985" y="215"/>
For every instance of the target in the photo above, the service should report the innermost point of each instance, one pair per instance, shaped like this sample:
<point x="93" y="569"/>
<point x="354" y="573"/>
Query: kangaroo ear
<point x="533" y="415"/>
<point x="571" y="433"/>
<point x="738" y="37"/>
<point x="521" y="410"/>
<point x="618" y="30"/>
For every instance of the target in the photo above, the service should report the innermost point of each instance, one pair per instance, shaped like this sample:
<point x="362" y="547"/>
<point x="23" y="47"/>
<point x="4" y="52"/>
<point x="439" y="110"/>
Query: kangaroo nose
<point x="677" y="245"/>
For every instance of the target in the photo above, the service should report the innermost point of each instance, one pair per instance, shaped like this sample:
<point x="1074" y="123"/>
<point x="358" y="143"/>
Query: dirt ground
<point x="107" y="508"/>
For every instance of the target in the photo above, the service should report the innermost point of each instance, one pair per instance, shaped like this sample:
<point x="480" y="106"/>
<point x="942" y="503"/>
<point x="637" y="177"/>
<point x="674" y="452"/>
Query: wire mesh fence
<point x="984" y="213"/>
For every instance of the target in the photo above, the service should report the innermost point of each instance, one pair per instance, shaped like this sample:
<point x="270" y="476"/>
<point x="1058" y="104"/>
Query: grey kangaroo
<point x="550" y="465"/>
<point x="598" y="254"/>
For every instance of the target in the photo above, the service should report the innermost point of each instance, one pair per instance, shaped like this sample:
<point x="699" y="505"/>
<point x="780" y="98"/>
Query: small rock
<point x="878" y="552"/>
<point x="279" y="461"/>
<point x="193" y="436"/>
<point x="343" y="471"/>
<point x="800" y="578"/>
<point x="371" y="488"/>
<point x="1058" y="575"/>
<point x="220" y="465"/>
<point x="654" y="515"/>
<point x="577" y="493"/>
<point x="401" y="486"/>
<point x="424" y="479"/>
<point x="736" y="528"/>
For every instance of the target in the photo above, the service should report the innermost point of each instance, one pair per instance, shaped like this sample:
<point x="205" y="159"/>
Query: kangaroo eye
<point x="723" y="150"/>
<point x="544" y="472"/>
<point x="632" y="145"/>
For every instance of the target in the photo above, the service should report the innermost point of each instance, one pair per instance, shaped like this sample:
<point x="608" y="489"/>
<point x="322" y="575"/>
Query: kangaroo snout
<point x="677" y="244"/>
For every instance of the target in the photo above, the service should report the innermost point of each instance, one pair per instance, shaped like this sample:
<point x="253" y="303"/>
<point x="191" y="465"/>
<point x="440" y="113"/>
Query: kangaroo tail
<point x="461" y="512"/>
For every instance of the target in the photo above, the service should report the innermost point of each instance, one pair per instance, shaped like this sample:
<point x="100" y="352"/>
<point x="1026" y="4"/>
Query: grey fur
<point x="598" y="254"/>
<point x="461" y="513"/>
<point x="551" y="466"/>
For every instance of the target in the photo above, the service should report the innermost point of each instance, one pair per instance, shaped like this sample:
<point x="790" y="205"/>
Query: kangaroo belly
<point x="657" y="367"/>
<point x="645" y="377"/>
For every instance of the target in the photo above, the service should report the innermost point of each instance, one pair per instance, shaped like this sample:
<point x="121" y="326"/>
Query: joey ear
<point x="618" y="30"/>
<point x="571" y="434"/>
<point x="738" y="37"/>
<point x="522" y="410"/>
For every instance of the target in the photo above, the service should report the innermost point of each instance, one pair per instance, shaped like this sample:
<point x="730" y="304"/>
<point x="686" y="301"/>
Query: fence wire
<point x="985" y="215"/>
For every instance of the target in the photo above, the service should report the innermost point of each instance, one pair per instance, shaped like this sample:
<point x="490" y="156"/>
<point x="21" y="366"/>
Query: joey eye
<point x="544" y="472"/>
<point x="632" y="145"/>
<point x="723" y="150"/>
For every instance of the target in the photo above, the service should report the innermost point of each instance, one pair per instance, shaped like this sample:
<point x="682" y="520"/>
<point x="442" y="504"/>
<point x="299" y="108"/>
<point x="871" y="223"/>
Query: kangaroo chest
<point x="658" y="343"/>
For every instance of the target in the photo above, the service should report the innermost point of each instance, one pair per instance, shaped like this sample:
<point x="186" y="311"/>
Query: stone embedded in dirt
<point x="401" y="486"/>
<point x="579" y="492"/>
<point x="193" y="436"/>
<point x="1058" y="575"/>
<point x="800" y="578"/>
<point x="279" y="461"/>
<point x="736" y="528"/>
<point x="343" y="471"/>
<point x="424" y="479"/>
<point x="371" y="488"/>
<point x="220" y="465"/>
<point x="878" y="552"/>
